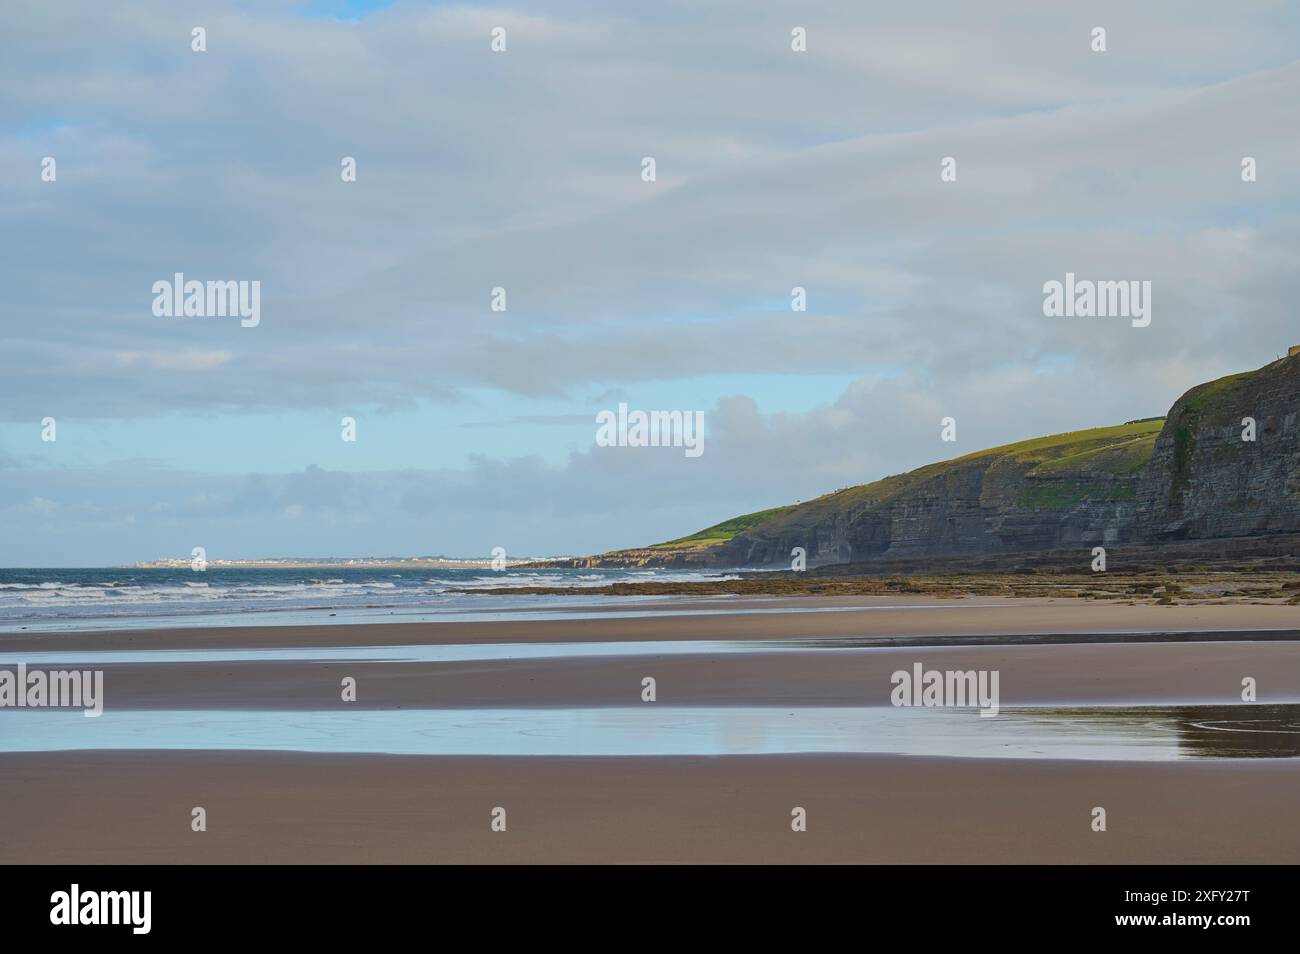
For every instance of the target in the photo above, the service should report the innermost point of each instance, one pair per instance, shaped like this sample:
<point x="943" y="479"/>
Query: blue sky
<point x="522" y="170"/>
<point x="480" y="423"/>
<point x="344" y="9"/>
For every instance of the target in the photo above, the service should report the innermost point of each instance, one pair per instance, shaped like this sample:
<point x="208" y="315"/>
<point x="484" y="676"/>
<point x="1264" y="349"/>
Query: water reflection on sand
<point x="1123" y="733"/>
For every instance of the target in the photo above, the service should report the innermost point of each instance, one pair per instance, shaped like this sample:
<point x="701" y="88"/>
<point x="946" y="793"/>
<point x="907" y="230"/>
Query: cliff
<point x="1186" y="477"/>
<point x="1205" y="482"/>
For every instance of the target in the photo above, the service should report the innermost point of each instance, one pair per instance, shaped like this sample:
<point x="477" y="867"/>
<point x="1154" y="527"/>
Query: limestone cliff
<point x="1186" y="477"/>
<point x="1204" y="481"/>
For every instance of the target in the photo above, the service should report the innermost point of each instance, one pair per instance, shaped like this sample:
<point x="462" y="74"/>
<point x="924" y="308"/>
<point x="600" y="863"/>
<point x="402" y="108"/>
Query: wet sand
<point x="114" y="806"/>
<point x="798" y="617"/>
<point x="1030" y="675"/>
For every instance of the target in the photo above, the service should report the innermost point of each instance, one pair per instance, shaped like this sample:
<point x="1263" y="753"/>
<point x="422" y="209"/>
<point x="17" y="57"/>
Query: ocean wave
<point x="112" y="594"/>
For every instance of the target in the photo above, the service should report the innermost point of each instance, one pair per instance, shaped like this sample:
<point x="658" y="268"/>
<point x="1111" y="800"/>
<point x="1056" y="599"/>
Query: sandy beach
<point x="128" y="806"/>
<point x="135" y="808"/>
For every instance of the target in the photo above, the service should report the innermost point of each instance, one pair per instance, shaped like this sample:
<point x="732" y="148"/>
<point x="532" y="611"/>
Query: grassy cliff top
<point x="722" y="532"/>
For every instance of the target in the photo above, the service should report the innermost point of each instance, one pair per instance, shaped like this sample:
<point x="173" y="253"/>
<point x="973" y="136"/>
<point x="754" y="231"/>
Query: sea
<point x="69" y="599"/>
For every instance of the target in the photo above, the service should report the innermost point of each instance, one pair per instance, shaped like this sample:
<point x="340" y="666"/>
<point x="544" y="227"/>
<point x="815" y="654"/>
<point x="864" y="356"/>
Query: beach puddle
<point x="1121" y="733"/>
<point x="476" y="609"/>
<point x="491" y="652"/>
<point x="449" y="652"/>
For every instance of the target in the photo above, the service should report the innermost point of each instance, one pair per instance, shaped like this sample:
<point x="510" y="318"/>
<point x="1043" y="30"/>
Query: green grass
<point x="1062" y="448"/>
<point x="1198" y="402"/>
<point x="722" y="532"/>
<point x="1122" y="457"/>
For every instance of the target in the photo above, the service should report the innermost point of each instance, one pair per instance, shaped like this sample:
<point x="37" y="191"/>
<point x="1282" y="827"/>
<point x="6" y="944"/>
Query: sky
<point x="523" y="169"/>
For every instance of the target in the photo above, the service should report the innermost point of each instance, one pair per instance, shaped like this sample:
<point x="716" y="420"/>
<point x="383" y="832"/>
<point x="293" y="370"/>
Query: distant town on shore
<point x="292" y="563"/>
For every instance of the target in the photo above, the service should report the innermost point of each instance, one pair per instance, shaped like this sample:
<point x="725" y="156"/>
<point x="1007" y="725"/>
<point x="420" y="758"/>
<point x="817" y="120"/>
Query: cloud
<point x="172" y="361"/>
<point x="377" y="291"/>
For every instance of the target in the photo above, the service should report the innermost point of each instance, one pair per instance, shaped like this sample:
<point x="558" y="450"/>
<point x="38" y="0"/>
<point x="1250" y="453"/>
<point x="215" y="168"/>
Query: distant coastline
<point x="307" y="563"/>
